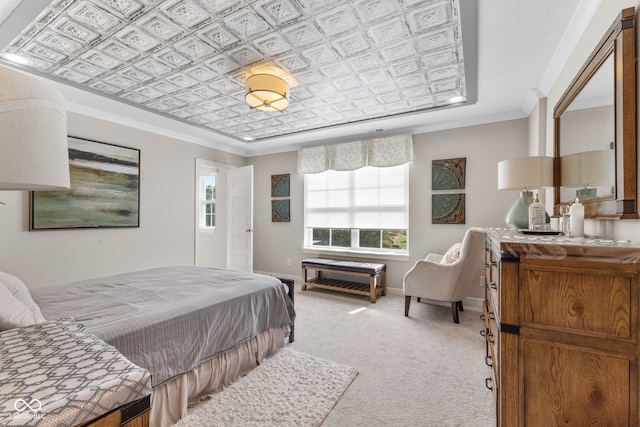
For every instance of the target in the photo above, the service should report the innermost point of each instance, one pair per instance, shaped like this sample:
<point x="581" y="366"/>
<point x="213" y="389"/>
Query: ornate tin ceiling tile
<point x="120" y="81"/>
<point x="182" y="80"/>
<point x="272" y="45"/>
<point x="245" y="23"/>
<point x="194" y="48"/>
<point x="429" y="17"/>
<point x="71" y="75"/>
<point x="172" y="58"/>
<point x="302" y="34"/>
<point x="222" y="64"/>
<point x="135" y="38"/>
<point x="100" y="60"/>
<point x="153" y="67"/>
<point x="117" y="50"/>
<point x="59" y="42"/>
<point x="124" y="8"/>
<point x="136" y="74"/>
<point x="375" y="10"/>
<point x="98" y="19"/>
<point x="185" y="12"/>
<point x="337" y="21"/>
<point x="352" y="44"/>
<point x="389" y="31"/>
<point x="159" y="27"/>
<point x="277" y="12"/>
<point x="74" y="30"/>
<point x="398" y="51"/>
<point x="200" y="73"/>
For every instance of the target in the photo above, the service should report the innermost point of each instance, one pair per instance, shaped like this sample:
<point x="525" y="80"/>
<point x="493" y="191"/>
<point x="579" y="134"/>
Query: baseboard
<point x="470" y="303"/>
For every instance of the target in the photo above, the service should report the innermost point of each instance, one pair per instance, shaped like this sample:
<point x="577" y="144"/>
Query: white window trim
<point x="203" y="167"/>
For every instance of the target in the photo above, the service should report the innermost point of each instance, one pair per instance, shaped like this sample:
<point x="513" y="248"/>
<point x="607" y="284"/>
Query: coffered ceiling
<point x="353" y="67"/>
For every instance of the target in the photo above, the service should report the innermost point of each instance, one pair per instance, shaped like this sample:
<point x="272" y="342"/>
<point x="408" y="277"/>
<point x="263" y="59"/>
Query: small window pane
<point x="341" y="237"/>
<point x="210" y="187"/>
<point x="369" y="238"/>
<point x="321" y="237"/>
<point x="210" y="215"/>
<point x="394" y="239"/>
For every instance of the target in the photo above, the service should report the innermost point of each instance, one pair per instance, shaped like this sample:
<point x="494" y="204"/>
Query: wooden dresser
<point x="561" y="327"/>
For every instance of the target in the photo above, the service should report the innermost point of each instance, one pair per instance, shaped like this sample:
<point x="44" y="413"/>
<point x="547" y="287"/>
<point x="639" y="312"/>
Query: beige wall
<point x="602" y="19"/>
<point x="483" y="146"/>
<point x="167" y="217"/>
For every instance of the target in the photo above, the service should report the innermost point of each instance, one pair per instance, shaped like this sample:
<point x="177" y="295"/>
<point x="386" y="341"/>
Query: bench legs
<point x="377" y="283"/>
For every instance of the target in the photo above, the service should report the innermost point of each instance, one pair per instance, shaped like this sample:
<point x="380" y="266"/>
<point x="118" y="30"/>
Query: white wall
<point x="606" y="13"/>
<point x="167" y="203"/>
<point x="483" y="146"/>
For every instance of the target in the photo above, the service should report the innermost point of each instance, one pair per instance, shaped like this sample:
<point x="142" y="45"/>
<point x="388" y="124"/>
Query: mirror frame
<point x="620" y="41"/>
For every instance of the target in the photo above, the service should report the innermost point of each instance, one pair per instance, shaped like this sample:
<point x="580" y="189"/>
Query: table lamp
<point x="523" y="174"/>
<point x="587" y="170"/>
<point x="34" y="154"/>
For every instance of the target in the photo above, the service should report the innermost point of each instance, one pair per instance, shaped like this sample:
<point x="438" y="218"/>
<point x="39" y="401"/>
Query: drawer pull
<point x="482" y="317"/>
<point x="488" y="362"/>
<point x="488" y="383"/>
<point x="491" y="315"/>
<point x="483" y="332"/>
<point x="492" y="285"/>
<point x="490" y="338"/>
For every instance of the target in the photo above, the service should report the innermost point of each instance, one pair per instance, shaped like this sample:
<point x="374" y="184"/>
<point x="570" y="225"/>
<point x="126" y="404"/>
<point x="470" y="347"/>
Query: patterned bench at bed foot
<point x="375" y="272"/>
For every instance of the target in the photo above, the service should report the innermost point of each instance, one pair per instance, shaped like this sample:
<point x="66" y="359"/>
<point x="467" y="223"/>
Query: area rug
<point x="289" y="388"/>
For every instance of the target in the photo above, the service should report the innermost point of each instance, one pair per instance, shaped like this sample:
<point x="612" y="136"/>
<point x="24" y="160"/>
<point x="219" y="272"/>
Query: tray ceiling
<point x="345" y="61"/>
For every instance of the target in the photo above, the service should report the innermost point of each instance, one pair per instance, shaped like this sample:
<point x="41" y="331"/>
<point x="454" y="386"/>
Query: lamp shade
<point x="266" y="92"/>
<point x="34" y="153"/>
<point x="526" y="172"/>
<point x="588" y="168"/>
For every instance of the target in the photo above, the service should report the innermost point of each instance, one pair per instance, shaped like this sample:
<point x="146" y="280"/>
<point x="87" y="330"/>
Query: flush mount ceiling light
<point x="266" y="92"/>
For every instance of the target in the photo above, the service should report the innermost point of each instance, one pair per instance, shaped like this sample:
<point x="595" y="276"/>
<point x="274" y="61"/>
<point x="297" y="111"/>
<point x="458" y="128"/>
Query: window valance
<point x="380" y="152"/>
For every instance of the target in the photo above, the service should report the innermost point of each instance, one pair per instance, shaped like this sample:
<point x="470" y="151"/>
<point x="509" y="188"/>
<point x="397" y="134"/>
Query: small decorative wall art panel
<point x="448" y="208"/>
<point x="104" y="193"/>
<point x="280" y="210"/>
<point x="448" y="174"/>
<point x="280" y="185"/>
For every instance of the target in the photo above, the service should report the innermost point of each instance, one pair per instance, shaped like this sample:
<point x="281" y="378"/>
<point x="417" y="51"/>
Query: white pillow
<point x="452" y="254"/>
<point x="17" y="308"/>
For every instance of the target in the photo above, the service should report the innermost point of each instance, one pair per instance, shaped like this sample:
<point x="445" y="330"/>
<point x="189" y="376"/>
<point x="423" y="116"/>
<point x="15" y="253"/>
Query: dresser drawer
<point x="577" y="301"/>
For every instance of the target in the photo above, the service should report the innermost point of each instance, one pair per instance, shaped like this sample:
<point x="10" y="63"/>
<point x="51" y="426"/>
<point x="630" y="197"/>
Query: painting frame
<point x="281" y="210"/>
<point x="104" y="193"/>
<point x="448" y="208"/>
<point x="448" y="174"/>
<point x="281" y="185"/>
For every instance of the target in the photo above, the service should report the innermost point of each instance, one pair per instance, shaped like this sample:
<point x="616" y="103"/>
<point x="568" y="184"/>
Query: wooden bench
<point x="376" y="272"/>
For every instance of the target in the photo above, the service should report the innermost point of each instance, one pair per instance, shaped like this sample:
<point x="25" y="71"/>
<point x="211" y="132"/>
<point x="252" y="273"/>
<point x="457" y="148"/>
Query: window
<point x="363" y="210"/>
<point x="207" y="199"/>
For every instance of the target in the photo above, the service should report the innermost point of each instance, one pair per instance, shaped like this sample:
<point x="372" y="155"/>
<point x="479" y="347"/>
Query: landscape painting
<point x="105" y="190"/>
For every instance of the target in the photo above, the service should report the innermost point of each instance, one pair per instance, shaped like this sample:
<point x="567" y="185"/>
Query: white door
<point x="240" y="237"/>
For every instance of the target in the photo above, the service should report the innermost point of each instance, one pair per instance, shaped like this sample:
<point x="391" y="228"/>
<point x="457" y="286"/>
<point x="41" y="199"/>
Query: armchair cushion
<point x="434" y="257"/>
<point x="452" y="254"/>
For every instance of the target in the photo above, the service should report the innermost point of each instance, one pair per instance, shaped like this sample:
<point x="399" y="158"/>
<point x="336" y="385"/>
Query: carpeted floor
<point x="289" y="389"/>
<point x="423" y="370"/>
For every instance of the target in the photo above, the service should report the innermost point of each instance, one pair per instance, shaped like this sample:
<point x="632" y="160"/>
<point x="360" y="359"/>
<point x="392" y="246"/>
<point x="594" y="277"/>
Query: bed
<point x="195" y="329"/>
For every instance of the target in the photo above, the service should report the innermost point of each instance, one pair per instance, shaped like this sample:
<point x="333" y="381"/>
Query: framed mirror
<point x="595" y="129"/>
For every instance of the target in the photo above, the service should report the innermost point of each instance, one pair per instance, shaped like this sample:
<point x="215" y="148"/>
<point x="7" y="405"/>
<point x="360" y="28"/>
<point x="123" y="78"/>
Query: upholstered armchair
<point x="447" y="277"/>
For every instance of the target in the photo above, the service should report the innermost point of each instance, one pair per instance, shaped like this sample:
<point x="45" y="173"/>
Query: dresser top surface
<point x="512" y="241"/>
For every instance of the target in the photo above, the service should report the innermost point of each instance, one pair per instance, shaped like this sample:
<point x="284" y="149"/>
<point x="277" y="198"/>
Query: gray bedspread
<point x="168" y="320"/>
